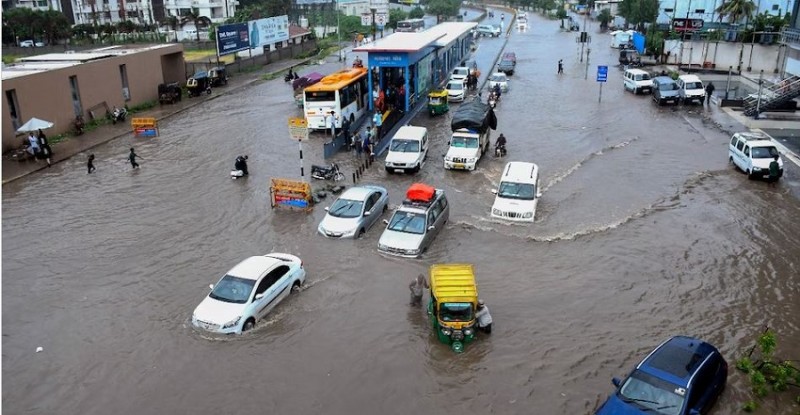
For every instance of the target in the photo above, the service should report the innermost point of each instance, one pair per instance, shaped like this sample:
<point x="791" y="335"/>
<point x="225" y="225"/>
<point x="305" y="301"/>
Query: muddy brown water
<point x="643" y="232"/>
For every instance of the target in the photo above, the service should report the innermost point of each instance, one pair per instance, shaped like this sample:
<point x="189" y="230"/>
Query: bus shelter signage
<point x="292" y="194"/>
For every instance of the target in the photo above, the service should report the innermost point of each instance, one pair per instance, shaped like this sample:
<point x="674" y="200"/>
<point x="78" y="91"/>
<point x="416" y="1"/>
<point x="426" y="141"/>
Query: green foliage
<point x="350" y="25"/>
<point x="396" y="15"/>
<point x="144" y="106"/>
<point x="561" y="14"/>
<point x="443" y="8"/>
<point x="604" y="18"/>
<point x="638" y="12"/>
<point x="764" y="373"/>
<point x="654" y="41"/>
<point x="736" y="9"/>
<point x="38" y="25"/>
<point x="416" y="13"/>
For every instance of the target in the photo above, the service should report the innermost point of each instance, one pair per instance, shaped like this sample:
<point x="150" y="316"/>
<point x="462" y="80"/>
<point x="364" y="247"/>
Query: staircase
<point x="772" y="96"/>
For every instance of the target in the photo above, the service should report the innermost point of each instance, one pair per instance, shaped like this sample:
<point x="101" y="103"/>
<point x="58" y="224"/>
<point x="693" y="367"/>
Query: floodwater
<point x="644" y="231"/>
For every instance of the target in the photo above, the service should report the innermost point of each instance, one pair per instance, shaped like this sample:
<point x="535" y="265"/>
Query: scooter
<point x="118" y="114"/>
<point x="500" y="151"/>
<point x="493" y="99"/>
<point x="327" y="172"/>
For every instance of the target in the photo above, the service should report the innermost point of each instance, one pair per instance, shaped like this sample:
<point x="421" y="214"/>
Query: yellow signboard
<point x="298" y="129"/>
<point x="292" y="194"/>
<point x="144" y="127"/>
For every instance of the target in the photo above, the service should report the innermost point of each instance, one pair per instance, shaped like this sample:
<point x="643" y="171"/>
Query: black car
<point x="507" y="66"/>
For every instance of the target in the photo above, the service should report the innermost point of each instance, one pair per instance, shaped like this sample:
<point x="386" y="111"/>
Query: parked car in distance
<point x="682" y="376"/>
<point x="30" y="44"/>
<point x="408" y="150"/>
<point x="354" y="212"/>
<point x="456" y="90"/>
<point x="459" y="73"/>
<point x="752" y="152"/>
<point x="498" y="78"/>
<point x="248" y="292"/>
<point x="665" y="90"/>
<point x="517" y="193"/>
<point x="637" y="81"/>
<point x="415" y="223"/>
<point x="691" y="89"/>
<point x="507" y="66"/>
<point x="487" y="30"/>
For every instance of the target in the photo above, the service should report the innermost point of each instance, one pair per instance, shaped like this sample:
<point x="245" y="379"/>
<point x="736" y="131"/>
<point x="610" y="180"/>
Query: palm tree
<point x="199" y="21"/>
<point x="604" y="18"/>
<point x="736" y="9"/>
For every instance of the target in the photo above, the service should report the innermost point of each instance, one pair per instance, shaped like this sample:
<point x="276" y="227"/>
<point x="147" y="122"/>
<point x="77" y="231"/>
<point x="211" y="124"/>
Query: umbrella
<point x="34" y="124"/>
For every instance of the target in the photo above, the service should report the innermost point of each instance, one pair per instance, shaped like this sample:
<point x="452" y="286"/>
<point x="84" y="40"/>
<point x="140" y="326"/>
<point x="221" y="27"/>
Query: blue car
<point x="682" y="376"/>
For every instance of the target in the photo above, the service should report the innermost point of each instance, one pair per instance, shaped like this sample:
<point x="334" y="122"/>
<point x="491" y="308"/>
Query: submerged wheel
<point x="248" y="325"/>
<point x="361" y="233"/>
<point x="296" y="287"/>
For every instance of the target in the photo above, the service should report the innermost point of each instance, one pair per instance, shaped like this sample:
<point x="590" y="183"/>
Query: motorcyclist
<point x="241" y="164"/>
<point x="497" y="91"/>
<point x="501" y="142"/>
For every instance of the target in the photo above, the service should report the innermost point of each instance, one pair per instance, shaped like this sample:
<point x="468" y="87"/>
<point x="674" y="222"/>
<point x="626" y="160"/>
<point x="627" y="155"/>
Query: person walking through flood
<point x="132" y="158"/>
<point x="774" y="171"/>
<point x="560" y="66"/>
<point x="45" y="150"/>
<point x="90" y="164"/>
<point x="484" y="318"/>
<point x="416" y="287"/>
<point x="709" y="92"/>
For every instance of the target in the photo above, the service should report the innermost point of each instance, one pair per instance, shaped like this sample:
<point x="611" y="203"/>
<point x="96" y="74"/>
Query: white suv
<point x="407" y="150"/>
<point x="691" y="89"/>
<point x="752" y="152"/>
<point x="518" y="192"/>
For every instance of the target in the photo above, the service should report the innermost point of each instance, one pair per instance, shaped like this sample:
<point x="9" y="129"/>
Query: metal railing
<point x="790" y="35"/>
<point x="772" y="96"/>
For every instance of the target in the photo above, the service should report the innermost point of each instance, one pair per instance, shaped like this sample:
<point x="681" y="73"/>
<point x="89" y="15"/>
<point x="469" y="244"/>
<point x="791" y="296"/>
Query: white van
<point x="752" y="152"/>
<point x="691" y="89"/>
<point x="518" y="192"/>
<point x="407" y="150"/>
<point x="637" y="81"/>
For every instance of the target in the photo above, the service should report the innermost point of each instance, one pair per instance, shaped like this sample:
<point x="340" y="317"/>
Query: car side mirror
<point x="539" y="194"/>
<point x="258" y="296"/>
<point x="386" y="221"/>
<point x="211" y="286"/>
<point x="367" y="213"/>
<point x="430" y="228"/>
<point x="327" y="208"/>
<point x="615" y="381"/>
<point x="494" y="191"/>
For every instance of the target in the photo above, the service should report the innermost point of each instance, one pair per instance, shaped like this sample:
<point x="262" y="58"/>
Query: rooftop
<point x="440" y="35"/>
<point x="52" y="61"/>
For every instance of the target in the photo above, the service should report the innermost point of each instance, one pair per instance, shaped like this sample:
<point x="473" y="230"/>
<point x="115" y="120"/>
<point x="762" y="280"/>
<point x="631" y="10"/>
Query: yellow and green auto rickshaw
<point x="454" y="299"/>
<point x="437" y="102"/>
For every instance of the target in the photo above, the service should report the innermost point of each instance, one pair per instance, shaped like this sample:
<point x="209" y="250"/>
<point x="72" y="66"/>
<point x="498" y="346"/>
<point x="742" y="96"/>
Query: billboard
<point x="232" y="38"/>
<point x="268" y="31"/>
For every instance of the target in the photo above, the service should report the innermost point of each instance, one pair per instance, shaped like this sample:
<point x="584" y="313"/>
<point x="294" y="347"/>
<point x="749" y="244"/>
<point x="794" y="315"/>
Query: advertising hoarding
<point x="268" y="31"/>
<point x="232" y="38"/>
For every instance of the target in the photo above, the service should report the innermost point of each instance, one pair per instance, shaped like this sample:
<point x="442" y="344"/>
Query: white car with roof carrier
<point x="248" y="292"/>
<point x="415" y="223"/>
<point x="408" y="150"/>
<point x="752" y="152"/>
<point x="518" y="192"/>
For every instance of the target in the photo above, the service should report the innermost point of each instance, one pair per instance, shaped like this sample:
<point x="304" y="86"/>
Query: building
<point x="790" y="41"/>
<point x="706" y="9"/>
<point x="59" y="86"/>
<point x="146" y="11"/>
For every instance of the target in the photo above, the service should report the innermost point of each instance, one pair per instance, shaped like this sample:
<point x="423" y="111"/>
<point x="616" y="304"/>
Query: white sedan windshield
<point x="232" y="289"/>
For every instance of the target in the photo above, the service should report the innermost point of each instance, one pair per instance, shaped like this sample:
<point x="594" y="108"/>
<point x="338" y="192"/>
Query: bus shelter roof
<point x="402" y="42"/>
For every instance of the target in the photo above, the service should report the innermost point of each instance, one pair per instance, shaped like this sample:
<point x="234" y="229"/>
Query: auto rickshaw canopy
<point x="438" y="94"/>
<point x="453" y="283"/>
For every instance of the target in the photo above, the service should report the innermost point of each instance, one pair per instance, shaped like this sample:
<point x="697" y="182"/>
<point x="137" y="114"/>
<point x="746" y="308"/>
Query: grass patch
<point x="270" y="76"/>
<point x="57" y="139"/>
<point x="144" y="106"/>
<point x="9" y="59"/>
<point x="206" y="55"/>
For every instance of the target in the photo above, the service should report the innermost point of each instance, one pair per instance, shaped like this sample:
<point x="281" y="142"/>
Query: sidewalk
<point x="13" y="169"/>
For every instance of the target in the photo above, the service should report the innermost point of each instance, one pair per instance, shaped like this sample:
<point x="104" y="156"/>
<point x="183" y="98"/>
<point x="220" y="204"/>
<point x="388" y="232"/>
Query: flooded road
<point x="643" y="232"/>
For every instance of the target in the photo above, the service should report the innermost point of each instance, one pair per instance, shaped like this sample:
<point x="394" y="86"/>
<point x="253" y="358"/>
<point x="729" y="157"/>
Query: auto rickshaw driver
<point x="357" y="63"/>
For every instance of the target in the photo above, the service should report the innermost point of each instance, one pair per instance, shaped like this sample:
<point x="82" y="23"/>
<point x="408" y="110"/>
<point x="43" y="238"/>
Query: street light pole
<point x="374" y="24"/>
<point x="338" y="30"/>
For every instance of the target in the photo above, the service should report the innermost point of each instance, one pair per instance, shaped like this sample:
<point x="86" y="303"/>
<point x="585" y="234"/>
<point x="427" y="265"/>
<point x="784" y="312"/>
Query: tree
<point x="443" y="8"/>
<point x="639" y="12"/>
<point x="200" y="22"/>
<point x="736" y="9"/>
<point x="604" y="18"/>
<point x="396" y="15"/>
<point x="416" y="13"/>
<point x="55" y="26"/>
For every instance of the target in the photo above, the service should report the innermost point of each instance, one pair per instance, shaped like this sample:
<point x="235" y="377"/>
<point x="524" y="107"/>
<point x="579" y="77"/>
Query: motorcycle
<point x="327" y="172"/>
<point x="500" y="150"/>
<point x="290" y="77"/>
<point x="493" y="100"/>
<point x="118" y="114"/>
<point x="239" y="168"/>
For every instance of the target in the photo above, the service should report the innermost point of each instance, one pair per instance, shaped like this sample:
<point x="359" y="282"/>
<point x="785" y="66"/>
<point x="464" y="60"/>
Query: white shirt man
<point x="332" y="123"/>
<point x="484" y="318"/>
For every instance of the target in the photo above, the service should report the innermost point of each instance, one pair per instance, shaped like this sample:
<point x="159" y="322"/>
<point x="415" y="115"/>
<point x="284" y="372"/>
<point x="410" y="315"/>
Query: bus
<point x="410" y="25"/>
<point x="344" y="92"/>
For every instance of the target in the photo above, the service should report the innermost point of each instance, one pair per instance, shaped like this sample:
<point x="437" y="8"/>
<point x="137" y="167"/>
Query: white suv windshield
<point x="464" y="142"/>
<point x="522" y="191"/>
<point x="408" y="222"/>
<point x="764" y="152"/>
<point x="404" y="146"/>
<point x="693" y="85"/>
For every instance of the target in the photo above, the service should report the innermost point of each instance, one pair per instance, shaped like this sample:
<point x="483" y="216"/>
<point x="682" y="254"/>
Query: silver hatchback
<point x="354" y="212"/>
<point x="414" y="225"/>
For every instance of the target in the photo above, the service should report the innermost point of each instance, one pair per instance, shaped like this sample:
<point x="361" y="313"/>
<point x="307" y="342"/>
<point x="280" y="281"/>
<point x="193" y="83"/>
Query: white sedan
<point x="456" y="90"/>
<point x="498" y="78"/>
<point x="248" y="292"/>
<point x="354" y="212"/>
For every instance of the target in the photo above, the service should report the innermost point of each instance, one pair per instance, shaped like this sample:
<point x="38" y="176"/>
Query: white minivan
<point x="637" y="81"/>
<point x="691" y="89"/>
<point x="518" y="192"/>
<point x="752" y="152"/>
<point x="407" y="150"/>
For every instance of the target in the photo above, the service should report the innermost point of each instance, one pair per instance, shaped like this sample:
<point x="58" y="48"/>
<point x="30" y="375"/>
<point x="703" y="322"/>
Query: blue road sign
<point x="602" y="73"/>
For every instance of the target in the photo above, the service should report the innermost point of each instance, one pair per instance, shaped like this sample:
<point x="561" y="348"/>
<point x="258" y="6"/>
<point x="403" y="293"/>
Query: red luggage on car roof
<point x="420" y="192"/>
